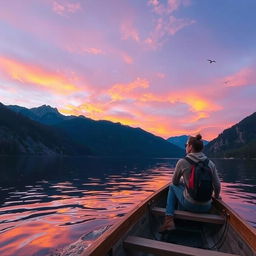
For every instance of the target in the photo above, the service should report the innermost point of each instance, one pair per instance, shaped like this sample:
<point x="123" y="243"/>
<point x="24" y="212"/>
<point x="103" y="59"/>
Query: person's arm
<point x="216" y="183"/>
<point x="177" y="173"/>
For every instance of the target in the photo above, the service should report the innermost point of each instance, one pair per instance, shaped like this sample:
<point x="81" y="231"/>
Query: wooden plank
<point x="246" y="232"/>
<point x="107" y="240"/>
<point x="185" y="215"/>
<point x="167" y="249"/>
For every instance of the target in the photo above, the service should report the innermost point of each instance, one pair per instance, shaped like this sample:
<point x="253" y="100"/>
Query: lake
<point x="54" y="205"/>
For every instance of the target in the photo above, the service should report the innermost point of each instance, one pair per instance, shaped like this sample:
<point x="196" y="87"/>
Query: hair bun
<point x="198" y="137"/>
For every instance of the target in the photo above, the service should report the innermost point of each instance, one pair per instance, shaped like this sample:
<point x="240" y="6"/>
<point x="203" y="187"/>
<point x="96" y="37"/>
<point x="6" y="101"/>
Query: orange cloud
<point x="122" y="120"/>
<point x="195" y="101"/>
<point x="121" y="91"/>
<point x="91" y="110"/>
<point x="198" y="103"/>
<point x="132" y="104"/>
<point x="154" y="124"/>
<point x="160" y="125"/>
<point x="36" y="76"/>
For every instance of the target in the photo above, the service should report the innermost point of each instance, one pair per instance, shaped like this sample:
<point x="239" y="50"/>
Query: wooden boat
<point x="221" y="232"/>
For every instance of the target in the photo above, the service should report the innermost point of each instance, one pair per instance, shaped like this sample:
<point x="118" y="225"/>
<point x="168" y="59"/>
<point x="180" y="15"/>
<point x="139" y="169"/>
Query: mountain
<point x="104" y="137"/>
<point x="44" y="114"/>
<point x="239" y="141"/>
<point x="21" y="135"/>
<point x="107" y="138"/>
<point x="180" y="141"/>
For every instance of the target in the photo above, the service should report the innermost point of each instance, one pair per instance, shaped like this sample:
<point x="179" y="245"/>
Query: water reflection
<point x="239" y="186"/>
<point x="47" y="204"/>
<point x="50" y="203"/>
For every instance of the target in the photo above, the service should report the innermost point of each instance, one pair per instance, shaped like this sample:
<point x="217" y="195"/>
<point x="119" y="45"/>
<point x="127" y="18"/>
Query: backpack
<point x="200" y="180"/>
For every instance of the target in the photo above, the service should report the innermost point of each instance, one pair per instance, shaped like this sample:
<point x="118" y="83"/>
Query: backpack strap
<point x="206" y="161"/>
<point x="190" y="160"/>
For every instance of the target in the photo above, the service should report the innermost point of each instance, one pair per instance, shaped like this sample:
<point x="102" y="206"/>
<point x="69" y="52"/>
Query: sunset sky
<point x="142" y="63"/>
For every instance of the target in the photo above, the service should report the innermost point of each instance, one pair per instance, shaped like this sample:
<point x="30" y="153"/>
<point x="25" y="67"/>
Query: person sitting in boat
<point x="200" y="183"/>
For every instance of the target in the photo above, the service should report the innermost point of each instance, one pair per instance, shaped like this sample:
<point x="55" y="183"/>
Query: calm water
<point x="51" y="206"/>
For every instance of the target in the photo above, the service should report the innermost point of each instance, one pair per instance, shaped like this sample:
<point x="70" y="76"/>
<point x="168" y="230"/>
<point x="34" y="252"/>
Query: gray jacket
<point x="182" y="170"/>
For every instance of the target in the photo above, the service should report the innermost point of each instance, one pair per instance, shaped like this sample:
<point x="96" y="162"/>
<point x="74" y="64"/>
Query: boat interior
<point x="220" y="232"/>
<point x="196" y="234"/>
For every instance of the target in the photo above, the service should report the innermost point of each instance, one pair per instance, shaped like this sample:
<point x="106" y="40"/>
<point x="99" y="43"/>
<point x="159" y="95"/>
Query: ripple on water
<point x="67" y="213"/>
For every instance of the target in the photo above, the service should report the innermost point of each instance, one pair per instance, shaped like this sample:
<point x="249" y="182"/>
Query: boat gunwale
<point x="247" y="232"/>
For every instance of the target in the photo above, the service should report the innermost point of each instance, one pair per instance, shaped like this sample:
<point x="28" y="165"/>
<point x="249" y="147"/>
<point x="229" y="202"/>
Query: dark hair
<point x="196" y="142"/>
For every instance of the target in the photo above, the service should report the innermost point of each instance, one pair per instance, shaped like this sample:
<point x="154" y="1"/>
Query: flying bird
<point x="211" y="61"/>
<point x="226" y="82"/>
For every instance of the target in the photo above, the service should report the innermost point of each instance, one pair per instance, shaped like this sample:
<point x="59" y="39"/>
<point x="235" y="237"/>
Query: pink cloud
<point x="166" y="24"/>
<point x="157" y="7"/>
<point x="211" y="132"/>
<point x="63" y="7"/>
<point x="153" y="2"/>
<point x="173" y="5"/>
<point x="164" y="28"/>
<point x="94" y="51"/>
<point x="52" y="31"/>
<point x="174" y="25"/>
<point x="129" y="31"/>
<point x="168" y="8"/>
<point x="245" y="76"/>
<point x="126" y="58"/>
<point x="160" y="75"/>
<point x="86" y="50"/>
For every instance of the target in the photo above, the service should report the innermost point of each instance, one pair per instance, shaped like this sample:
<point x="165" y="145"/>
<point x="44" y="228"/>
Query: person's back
<point x="181" y="193"/>
<point x="183" y="169"/>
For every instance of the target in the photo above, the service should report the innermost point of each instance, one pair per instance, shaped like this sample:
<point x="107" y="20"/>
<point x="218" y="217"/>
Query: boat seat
<point x="185" y="215"/>
<point x="167" y="249"/>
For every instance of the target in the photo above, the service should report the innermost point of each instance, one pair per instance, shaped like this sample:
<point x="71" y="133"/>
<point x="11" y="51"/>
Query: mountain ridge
<point x="43" y="114"/>
<point x="104" y="137"/>
<point x="238" y="141"/>
<point x="21" y="135"/>
<point x="181" y="140"/>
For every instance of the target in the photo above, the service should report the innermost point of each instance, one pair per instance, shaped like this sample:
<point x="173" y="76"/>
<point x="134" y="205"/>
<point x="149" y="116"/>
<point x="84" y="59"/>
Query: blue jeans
<point x="176" y="197"/>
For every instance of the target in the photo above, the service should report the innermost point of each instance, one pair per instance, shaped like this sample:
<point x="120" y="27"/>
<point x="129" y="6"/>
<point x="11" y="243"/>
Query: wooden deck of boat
<point x="185" y="215"/>
<point x="167" y="249"/>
